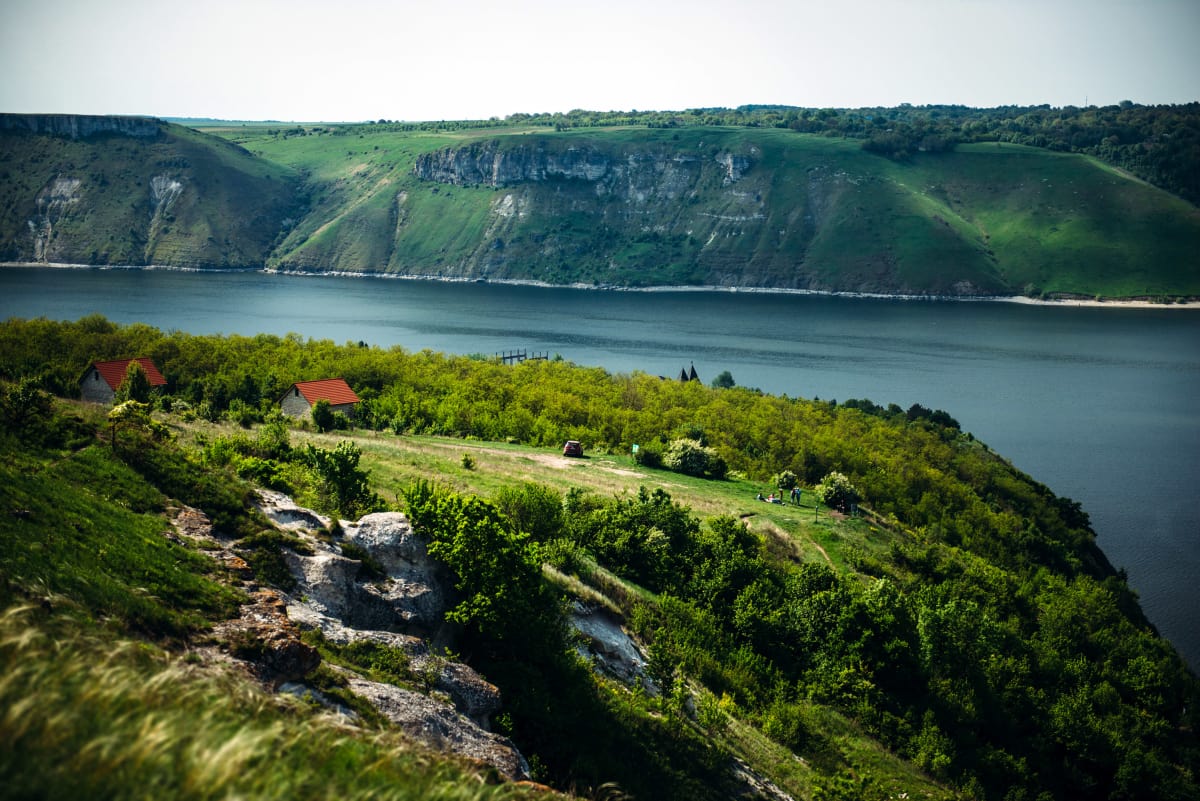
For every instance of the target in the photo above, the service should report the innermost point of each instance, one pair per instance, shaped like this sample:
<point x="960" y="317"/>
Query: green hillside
<point x="178" y="198"/>
<point x="927" y="622"/>
<point x="616" y="206"/>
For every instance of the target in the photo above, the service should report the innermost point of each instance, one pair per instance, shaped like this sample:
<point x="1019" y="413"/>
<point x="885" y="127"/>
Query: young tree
<point x="532" y="508"/>
<point x="343" y="482"/>
<point x="128" y="414"/>
<point x="498" y="573"/>
<point x="23" y="406"/>
<point x="322" y="416"/>
<point x="136" y="386"/>
<point x="785" y="480"/>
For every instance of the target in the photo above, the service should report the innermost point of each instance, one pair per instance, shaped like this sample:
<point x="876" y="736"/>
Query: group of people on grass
<point x="773" y="498"/>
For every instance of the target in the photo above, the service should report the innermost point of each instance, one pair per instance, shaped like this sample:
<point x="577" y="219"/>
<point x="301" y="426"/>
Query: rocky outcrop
<point x="471" y="694"/>
<point x="487" y="164"/>
<point x="81" y="126"/>
<point x="398" y="609"/>
<point x="634" y="174"/>
<point x="735" y="165"/>
<point x="264" y="636"/>
<point x="608" y="645"/>
<point x="411" y="599"/>
<point x="56" y="200"/>
<point x="436" y="724"/>
<point x="283" y="512"/>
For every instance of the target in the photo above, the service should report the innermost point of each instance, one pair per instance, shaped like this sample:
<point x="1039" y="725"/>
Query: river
<point x="1099" y="404"/>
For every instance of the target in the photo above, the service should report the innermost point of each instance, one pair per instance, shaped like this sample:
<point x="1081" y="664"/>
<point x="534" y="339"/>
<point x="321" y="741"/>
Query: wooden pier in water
<point x="516" y="356"/>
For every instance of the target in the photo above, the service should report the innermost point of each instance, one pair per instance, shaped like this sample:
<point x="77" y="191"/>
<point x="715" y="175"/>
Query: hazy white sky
<point x="369" y="59"/>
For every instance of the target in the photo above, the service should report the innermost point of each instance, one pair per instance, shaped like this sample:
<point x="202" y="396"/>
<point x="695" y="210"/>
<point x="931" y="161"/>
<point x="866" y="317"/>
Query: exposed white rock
<point x="283" y="512"/>
<point x="164" y="190"/>
<point x="440" y="726"/>
<point x="608" y="644"/>
<point x="410" y="600"/>
<point x="735" y="166"/>
<point x="472" y="695"/>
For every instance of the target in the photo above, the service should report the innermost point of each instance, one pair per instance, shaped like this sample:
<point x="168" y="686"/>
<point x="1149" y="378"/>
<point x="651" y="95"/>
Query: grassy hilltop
<point x="959" y="636"/>
<point x="712" y="205"/>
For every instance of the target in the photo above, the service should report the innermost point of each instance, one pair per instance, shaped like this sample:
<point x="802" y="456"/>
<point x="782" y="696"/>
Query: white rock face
<point x="163" y="191"/>
<point x="284" y="512"/>
<point x="609" y="645"/>
<point x="438" y="725"/>
<point x="398" y="610"/>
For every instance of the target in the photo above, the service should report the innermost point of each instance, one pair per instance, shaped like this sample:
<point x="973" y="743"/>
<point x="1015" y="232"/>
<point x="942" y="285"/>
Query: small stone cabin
<point x="303" y="395"/>
<point x="101" y="381"/>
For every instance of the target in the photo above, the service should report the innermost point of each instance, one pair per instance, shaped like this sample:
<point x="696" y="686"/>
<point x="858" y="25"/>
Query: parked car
<point x="572" y="448"/>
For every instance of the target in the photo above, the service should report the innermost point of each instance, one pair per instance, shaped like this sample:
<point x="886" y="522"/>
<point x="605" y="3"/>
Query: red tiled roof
<point x="334" y="390"/>
<point x="113" y="372"/>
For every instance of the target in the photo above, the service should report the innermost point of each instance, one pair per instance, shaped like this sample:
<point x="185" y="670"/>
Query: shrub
<point x="649" y="456"/>
<point x="343" y="484"/>
<point x="690" y="457"/>
<point x="784" y="723"/>
<point x="242" y="413"/>
<point x="322" y="416"/>
<point x="532" y="508"/>
<point x="836" y="491"/>
<point x="785" y="480"/>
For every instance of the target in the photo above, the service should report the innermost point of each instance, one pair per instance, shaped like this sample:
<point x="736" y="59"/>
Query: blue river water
<point x="1099" y="404"/>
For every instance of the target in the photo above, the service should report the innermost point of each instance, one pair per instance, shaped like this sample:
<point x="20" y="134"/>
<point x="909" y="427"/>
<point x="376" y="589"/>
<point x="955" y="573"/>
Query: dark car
<point x="572" y="448"/>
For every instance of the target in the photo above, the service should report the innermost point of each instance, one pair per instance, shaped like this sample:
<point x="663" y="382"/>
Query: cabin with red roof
<point x="102" y="380"/>
<point x="303" y="395"/>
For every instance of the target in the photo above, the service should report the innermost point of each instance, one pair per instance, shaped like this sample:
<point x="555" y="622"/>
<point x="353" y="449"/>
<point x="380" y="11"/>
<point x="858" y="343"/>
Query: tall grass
<point x="86" y="716"/>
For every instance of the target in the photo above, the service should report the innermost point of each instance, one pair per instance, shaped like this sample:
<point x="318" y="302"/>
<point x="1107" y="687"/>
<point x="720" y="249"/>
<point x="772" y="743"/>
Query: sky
<point x="353" y="60"/>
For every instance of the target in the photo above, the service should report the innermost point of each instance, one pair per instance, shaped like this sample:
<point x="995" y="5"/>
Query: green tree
<point x="532" y="508"/>
<point x="785" y="480"/>
<point x="690" y="457"/>
<point x="343" y="484"/>
<point x="497" y="570"/>
<point x="274" y="438"/>
<point x="24" y="406"/>
<point x="136" y="386"/>
<point x="129" y="414"/>
<point x="662" y="666"/>
<point x="724" y="380"/>
<point x="322" y="416"/>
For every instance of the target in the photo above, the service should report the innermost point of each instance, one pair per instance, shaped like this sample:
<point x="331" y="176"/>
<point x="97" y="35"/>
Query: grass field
<point x="804" y="533"/>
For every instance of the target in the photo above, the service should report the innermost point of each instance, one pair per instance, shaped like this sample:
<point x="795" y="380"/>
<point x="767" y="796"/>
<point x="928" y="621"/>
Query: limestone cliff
<point x="80" y="126"/>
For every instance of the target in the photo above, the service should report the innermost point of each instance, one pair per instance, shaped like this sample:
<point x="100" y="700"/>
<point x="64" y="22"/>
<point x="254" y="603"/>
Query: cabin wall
<point x="294" y="404"/>
<point x="95" y="389"/>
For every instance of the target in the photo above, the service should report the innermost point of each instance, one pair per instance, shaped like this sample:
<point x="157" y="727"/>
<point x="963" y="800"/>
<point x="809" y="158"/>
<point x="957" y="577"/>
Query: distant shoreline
<point x="1130" y="303"/>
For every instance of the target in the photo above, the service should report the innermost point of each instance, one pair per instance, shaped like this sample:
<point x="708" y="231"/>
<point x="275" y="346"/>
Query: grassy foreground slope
<point x="110" y="683"/>
<point x="964" y="633"/>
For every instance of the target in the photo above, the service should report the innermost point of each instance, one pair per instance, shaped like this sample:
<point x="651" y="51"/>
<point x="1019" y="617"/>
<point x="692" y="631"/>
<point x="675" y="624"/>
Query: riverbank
<point x="1103" y="303"/>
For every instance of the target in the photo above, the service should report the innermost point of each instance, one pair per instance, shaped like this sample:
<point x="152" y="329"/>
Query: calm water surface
<point x="1100" y="404"/>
